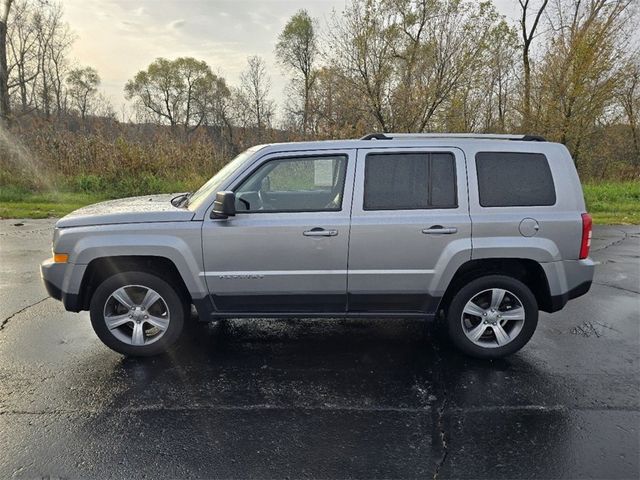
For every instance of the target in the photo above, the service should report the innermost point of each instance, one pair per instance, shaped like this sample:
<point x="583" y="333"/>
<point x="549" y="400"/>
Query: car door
<point x="410" y="218"/>
<point x="285" y="250"/>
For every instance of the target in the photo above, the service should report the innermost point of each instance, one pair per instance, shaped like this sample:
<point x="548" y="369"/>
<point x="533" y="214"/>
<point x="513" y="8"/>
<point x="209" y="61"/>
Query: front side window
<point x="406" y="181"/>
<point x="507" y="179"/>
<point x="219" y="178"/>
<point x="303" y="184"/>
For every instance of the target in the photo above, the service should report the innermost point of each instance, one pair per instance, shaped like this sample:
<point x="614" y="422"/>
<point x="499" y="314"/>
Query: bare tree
<point x="53" y="42"/>
<point x="297" y="49"/>
<point x="23" y="53"/>
<point x="528" y="34"/>
<point x="4" y="72"/>
<point x="408" y="57"/>
<point x="582" y="68"/>
<point x="253" y="95"/>
<point x="58" y="65"/>
<point x="628" y="93"/>
<point x="83" y="86"/>
<point x="360" y="46"/>
<point x="499" y="79"/>
<point x="102" y="107"/>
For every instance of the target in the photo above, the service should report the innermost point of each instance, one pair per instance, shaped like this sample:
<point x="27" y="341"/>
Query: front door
<point x="285" y="251"/>
<point x="410" y="222"/>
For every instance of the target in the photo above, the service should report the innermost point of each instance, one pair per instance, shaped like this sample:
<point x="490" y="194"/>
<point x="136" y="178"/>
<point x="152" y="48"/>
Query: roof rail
<point x="375" y="136"/>
<point x="484" y="136"/>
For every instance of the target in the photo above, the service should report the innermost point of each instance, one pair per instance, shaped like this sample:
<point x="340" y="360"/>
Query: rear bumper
<point x="59" y="282"/>
<point x="559" y="301"/>
<point x="568" y="279"/>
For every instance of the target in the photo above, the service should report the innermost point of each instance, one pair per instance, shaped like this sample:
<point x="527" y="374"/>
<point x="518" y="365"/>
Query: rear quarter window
<point x="512" y="179"/>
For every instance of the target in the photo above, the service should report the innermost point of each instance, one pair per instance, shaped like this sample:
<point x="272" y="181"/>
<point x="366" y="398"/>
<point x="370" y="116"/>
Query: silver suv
<point x="481" y="230"/>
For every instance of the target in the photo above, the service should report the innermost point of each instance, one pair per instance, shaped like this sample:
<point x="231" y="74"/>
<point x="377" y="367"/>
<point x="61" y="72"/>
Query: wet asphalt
<point x="319" y="398"/>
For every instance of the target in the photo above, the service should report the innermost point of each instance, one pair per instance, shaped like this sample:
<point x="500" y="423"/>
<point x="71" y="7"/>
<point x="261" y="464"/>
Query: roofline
<point x="484" y="136"/>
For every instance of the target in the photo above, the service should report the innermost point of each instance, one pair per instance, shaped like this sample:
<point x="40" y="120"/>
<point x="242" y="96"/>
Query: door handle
<point x="440" y="230"/>
<point x="320" y="232"/>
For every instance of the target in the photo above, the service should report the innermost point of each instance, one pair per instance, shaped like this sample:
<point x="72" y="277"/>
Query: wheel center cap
<point x="492" y="317"/>
<point x="137" y="313"/>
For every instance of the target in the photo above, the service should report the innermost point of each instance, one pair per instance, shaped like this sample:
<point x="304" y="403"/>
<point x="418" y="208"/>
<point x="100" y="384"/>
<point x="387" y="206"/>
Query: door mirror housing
<point x="224" y="205"/>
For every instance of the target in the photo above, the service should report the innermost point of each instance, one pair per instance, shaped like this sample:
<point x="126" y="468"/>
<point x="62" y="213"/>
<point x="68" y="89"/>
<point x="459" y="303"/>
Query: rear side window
<point x="507" y="179"/>
<point x="405" y="181"/>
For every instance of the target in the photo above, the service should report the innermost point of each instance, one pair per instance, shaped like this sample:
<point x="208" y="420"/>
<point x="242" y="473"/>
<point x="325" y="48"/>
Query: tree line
<point x="36" y="74"/>
<point x="565" y="69"/>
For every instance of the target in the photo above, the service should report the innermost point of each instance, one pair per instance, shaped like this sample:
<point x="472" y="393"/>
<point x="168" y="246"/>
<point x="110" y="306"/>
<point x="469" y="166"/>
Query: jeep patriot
<point x="480" y="231"/>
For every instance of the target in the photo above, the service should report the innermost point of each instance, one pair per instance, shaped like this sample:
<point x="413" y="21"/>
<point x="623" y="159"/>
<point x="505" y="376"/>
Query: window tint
<point x="443" y="180"/>
<point x="403" y="181"/>
<point x="303" y="184"/>
<point x="508" y="179"/>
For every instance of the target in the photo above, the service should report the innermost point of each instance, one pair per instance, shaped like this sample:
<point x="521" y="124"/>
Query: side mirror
<point x="224" y="205"/>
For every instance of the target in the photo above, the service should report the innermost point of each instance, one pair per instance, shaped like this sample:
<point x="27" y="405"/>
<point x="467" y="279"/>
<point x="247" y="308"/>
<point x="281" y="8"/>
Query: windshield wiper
<point x="181" y="200"/>
<point x="187" y="198"/>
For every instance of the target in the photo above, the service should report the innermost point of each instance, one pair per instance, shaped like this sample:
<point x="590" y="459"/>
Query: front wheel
<point x="137" y="313"/>
<point x="492" y="316"/>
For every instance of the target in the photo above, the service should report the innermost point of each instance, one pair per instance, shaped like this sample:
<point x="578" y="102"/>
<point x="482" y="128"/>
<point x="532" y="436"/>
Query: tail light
<point x="587" y="222"/>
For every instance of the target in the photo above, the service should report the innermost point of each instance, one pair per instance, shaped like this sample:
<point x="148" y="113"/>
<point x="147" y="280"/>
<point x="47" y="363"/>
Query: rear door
<point x="410" y="215"/>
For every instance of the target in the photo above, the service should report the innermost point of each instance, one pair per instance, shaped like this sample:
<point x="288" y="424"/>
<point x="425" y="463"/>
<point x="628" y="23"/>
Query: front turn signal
<point x="60" y="257"/>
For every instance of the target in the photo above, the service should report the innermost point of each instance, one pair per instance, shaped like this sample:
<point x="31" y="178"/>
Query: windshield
<point x="219" y="178"/>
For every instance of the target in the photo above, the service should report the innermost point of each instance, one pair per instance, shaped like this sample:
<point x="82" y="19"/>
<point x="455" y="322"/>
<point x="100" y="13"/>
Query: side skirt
<point x="317" y="306"/>
<point x="300" y="315"/>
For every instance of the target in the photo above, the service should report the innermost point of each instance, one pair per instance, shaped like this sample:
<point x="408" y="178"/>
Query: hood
<point x="150" y="208"/>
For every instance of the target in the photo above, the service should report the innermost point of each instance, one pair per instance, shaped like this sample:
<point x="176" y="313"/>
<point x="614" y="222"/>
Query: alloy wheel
<point x="493" y="318"/>
<point x="136" y="315"/>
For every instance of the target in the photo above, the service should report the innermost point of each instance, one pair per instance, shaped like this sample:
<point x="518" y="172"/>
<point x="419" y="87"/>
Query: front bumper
<point x="61" y="282"/>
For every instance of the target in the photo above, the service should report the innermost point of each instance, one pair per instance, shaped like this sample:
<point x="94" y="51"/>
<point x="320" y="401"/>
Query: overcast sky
<point x="121" y="37"/>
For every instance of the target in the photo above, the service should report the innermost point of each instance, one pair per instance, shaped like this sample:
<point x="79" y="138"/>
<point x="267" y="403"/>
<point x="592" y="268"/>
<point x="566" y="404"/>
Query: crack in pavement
<point x="6" y="320"/>
<point x="614" y="243"/>
<point x="617" y="287"/>
<point x="443" y="439"/>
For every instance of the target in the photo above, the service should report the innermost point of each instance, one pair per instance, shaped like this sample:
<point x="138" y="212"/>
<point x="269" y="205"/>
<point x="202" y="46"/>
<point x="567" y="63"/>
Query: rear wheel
<point x="492" y="316"/>
<point x="137" y="313"/>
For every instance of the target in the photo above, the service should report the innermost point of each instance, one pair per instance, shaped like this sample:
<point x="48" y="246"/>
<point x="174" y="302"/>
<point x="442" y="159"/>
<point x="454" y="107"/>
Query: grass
<point x="18" y="203"/>
<point x="613" y="202"/>
<point x="75" y="192"/>
<point x="608" y="202"/>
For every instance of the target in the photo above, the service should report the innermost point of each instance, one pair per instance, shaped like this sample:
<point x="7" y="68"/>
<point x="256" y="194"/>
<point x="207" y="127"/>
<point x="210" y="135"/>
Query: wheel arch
<point x="527" y="271"/>
<point x="101" y="268"/>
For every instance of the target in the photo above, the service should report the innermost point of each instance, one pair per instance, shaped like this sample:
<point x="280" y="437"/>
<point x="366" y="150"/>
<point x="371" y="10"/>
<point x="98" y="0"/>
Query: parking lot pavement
<point x="319" y="398"/>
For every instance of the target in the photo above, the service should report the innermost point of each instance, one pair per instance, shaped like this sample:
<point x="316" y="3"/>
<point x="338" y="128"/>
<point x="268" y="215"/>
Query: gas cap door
<point x="529" y="227"/>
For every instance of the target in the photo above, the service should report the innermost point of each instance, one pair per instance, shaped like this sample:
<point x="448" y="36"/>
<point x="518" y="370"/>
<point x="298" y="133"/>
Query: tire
<point x="465" y="321"/>
<point x="151" y="330"/>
